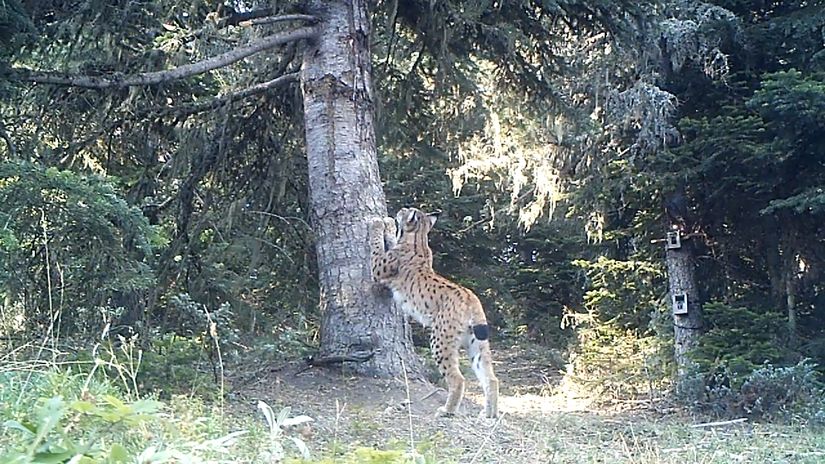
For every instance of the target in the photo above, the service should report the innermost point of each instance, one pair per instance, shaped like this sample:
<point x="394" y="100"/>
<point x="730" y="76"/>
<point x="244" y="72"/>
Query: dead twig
<point x="720" y="423"/>
<point x="356" y="357"/>
<point x="429" y="394"/>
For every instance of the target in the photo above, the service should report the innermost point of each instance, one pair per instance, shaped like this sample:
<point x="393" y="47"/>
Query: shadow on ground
<point x="539" y="424"/>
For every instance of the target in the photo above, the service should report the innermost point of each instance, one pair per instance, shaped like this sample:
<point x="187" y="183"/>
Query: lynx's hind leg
<point x="446" y="352"/>
<point x="481" y="360"/>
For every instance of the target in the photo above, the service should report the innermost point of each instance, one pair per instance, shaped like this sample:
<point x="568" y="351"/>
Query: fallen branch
<point x="358" y="357"/>
<point x="157" y="77"/>
<point x="716" y="424"/>
<point x="430" y="394"/>
<point x="311" y="361"/>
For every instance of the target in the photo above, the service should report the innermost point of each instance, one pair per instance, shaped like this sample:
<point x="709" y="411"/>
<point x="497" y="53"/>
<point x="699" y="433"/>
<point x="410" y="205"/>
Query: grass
<point x="575" y="438"/>
<point x="59" y="414"/>
<point x="81" y="413"/>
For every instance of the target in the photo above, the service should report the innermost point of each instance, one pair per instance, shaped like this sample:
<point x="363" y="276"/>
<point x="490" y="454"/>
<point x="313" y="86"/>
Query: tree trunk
<point x="790" y="270"/>
<point x="345" y="192"/>
<point x="791" y="303"/>
<point x="687" y="327"/>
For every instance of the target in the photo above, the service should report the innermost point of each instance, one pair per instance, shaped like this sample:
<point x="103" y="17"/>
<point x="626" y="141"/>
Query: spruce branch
<point x="249" y="18"/>
<point x="185" y="110"/>
<point x="157" y="77"/>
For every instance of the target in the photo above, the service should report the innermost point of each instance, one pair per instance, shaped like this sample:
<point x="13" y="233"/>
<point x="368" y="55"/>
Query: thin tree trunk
<point x="789" y="270"/>
<point x="345" y="192"/>
<point x="791" y="302"/>
<point x="788" y="246"/>
<point x="687" y="327"/>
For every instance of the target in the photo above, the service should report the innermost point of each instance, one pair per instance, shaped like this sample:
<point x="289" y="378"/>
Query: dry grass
<point x="539" y="424"/>
<point x="536" y="427"/>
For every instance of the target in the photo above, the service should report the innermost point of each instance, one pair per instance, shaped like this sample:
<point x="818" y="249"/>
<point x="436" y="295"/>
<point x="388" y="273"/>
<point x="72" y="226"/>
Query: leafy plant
<point x="54" y="416"/>
<point x="47" y="438"/>
<point x="175" y="364"/>
<point x="278" y="424"/>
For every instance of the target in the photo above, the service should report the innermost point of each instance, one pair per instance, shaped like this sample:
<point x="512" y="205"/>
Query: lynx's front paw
<point x="377" y="226"/>
<point x="442" y="412"/>
<point x="390" y="231"/>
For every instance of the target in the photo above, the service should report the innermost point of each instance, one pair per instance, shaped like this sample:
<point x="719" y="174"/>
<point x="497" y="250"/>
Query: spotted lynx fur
<point x="402" y="260"/>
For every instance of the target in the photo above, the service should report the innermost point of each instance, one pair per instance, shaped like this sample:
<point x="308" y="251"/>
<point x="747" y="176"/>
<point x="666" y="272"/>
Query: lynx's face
<point x="412" y="221"/>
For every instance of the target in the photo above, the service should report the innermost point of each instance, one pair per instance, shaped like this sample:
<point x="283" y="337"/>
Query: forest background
<point x="550" y="135"/>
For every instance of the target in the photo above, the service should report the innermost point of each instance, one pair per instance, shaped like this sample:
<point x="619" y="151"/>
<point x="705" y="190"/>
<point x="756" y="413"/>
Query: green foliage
<point x="784" y="393"/>
<point x="177" y="365"/>
<point x="48" y="440"/>
<point x="623" y="292"/>
<point x="583" y="111"/>
<point x="738" y="348"/>
<point x="75" y="205"/>
<point x="226" y="194"/>
<point x="69" y="234"/>
<point x="55" y="416"/>
<point x="195" y="321"/>
<point x="793" y="101"/>
<point x="790" y="394"/>
<point x="277" y="434"/>
<point x="366" y="455"/>
<point x="750" y="158"/>
<point x="610" y="362"/>
<point x="621" y="350"/>
<point x="50" y="413"/>
<point x="14" y="25"/>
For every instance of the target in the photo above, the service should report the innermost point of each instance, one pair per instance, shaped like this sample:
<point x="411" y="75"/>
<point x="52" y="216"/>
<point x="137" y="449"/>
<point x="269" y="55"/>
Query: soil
<point x="352" y="411"/>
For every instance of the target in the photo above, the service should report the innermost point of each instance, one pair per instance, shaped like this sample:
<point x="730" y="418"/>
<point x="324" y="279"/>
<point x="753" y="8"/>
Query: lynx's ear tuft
<point x="433" y="217"/>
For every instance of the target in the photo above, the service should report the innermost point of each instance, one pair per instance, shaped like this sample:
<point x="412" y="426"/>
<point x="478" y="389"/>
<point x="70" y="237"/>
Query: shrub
<point x="610" y="362"/>
<point x="739" y="340"/>
<point x="60" y="228"/>
<point x="785" y="394"/>
<point x="619" y="351"/>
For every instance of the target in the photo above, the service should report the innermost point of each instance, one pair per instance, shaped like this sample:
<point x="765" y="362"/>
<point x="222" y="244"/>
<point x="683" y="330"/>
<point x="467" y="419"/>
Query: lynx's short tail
<point x="481" y="331"/>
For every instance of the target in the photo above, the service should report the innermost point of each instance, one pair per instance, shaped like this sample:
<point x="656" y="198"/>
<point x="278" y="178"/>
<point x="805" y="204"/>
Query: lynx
<point x="402" y="260"/>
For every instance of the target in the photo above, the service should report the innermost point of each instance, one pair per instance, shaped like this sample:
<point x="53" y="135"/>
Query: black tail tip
<point x="481" y="331"/>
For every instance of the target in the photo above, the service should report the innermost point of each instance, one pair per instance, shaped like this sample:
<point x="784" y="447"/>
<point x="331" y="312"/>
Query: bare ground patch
<point x="536" y="426"/>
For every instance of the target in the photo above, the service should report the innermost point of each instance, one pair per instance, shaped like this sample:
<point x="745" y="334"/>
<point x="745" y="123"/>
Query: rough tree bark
<point x="687" y="327"/>
<point x="679" y="257"/>
<point x="345" y="191"/>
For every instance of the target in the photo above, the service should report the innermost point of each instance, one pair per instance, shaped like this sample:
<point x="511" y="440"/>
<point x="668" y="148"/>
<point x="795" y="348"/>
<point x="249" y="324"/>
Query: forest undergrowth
<point x="101" y="406"/>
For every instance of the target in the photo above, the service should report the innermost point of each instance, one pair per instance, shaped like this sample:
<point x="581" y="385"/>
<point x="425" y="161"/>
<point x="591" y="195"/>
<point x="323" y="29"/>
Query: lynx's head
<point x="413" y="222"/>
